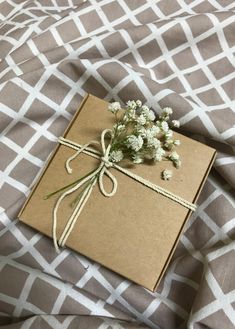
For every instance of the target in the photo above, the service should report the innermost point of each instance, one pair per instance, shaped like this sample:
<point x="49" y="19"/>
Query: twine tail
<point x="73" y="219"/>
<point x="55" y="211"/>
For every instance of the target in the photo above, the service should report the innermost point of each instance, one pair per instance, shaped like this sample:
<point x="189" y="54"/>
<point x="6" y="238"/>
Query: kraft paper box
<point x="135" y="232"/>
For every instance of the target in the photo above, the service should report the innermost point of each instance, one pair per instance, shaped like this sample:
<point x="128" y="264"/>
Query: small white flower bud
<point x="116" y="156"/>
<point x="159" y="154"/>
<point x="114" y="107"/>
<point x="177" y="163"/>
<point x="174" y="156"/>
<point x="169" y="134"/>
<point x="138" y="103"/>
<point x="141" y="120"/>
<point x="164" y="126"/>
<point x="167" y="110"/>
<point x="176" y="123"/>
<point x="176" y="142"/>
<point x="155" y="130"/>
<point x="137" y="159"/>
<point x="131" y="104"/>
<point x="166" y="174"/>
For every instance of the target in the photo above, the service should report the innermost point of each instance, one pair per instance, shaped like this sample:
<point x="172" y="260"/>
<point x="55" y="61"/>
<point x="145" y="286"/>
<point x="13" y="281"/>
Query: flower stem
<point x="78" y="197"/>
<point x="67" y="186"/>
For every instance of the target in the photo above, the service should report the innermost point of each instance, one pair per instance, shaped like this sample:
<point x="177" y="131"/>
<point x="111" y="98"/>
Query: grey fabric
<point x="166" y="53"/>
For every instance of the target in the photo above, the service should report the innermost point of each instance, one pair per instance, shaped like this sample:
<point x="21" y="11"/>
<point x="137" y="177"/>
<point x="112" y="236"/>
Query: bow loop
<point x="84" y="147"/>
<point x="106" y="165"/>
<point x="104" y="133"/>
<point x="113" y="179"/>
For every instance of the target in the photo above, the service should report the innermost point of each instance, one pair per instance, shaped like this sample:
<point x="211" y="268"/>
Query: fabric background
<point x="166" y="53"/>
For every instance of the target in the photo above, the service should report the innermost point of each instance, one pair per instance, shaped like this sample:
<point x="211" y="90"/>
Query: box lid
<point x="135" y="232"/>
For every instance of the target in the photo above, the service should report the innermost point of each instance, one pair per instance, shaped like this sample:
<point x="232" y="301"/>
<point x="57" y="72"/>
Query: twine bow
<point x="97" y="176"/>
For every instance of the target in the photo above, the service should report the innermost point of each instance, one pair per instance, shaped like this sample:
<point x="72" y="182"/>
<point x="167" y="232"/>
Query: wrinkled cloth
<point x="166" y="53"/>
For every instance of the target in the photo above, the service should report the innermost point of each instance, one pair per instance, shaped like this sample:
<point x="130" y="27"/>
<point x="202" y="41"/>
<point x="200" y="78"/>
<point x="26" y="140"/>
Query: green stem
<point x="116" y="117"/>
<point x="67" y="186"/>
<point x="78" y="197"/>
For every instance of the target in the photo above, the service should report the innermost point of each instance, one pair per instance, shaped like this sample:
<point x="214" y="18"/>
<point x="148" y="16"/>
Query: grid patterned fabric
<point x="166" y="53"/>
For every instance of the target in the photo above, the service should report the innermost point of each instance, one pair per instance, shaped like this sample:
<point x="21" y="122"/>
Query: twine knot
<point x="107" y="163"/>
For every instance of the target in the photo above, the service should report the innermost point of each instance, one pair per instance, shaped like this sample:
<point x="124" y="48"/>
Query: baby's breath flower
<point x="151" y="115"/>
<point x="130" y="114"/>
<point x="141" y="120"/>
<point x="138" y="103"/>
<point x="138" y="136"/>
<point x="176" y="142"/>
<point x="175" y="123"/>
<point x="116" y="156"/>
<point x="114" y="107"/>
<point x="167" y="110"/>
<point x="117" y="129"/>
<point x="169" y="134"/>
<point x="155" y="130"/>
<point x="166" y="174"/>
<point x="153" y="142"/>
<point x="121" y="127"/>
<point x="145" y="108"/>
<point x="169" y="144"/>
<point x="134" y="142"/>
<point x="157" y="157"/>
<point x="137" y="159"/>
<point x="132" y="104"/>
<point x="174" y="156"/>
<point x="149" y="134"/>
<point x="164" y="126"/>
<point x="177" y="163"/>
<point x="159" y="154"/>
<point x="148" y="114"/>
<point x="141" y="131"/>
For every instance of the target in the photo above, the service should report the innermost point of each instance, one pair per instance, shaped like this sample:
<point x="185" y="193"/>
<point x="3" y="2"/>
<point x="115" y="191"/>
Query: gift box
<point x="134" y="232"/>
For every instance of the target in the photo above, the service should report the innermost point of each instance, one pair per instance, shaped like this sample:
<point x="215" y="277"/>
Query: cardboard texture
<point x="135" y="232"/>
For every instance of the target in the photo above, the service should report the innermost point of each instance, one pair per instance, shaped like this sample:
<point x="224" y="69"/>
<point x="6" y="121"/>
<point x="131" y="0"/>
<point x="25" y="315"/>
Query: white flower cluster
<point x="116" y="156"/>
<point x="139" y="136"/>
<point x="134" y="142"/>
<point x="114" y="107"/>
<point x="174" y="156"/>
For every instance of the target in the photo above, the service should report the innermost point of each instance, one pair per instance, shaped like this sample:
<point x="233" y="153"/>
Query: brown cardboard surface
<point x="135" y="232"/>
